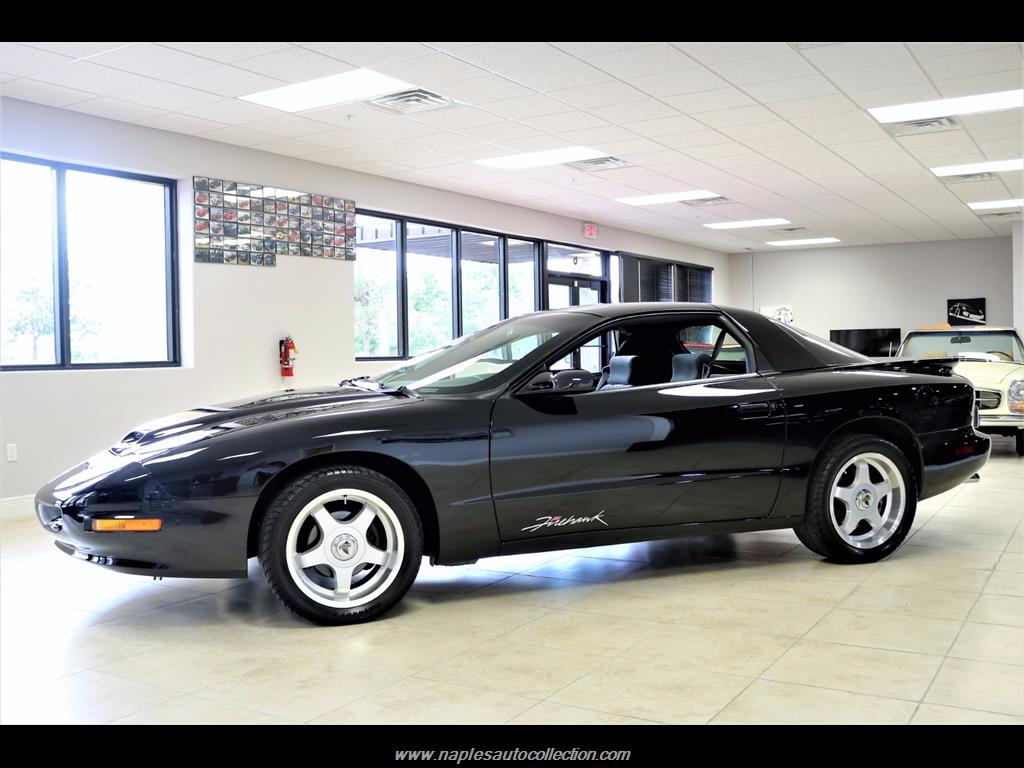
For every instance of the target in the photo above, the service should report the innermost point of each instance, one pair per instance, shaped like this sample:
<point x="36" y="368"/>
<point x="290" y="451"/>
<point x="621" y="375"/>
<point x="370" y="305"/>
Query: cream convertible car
<point x="993" y="361"/>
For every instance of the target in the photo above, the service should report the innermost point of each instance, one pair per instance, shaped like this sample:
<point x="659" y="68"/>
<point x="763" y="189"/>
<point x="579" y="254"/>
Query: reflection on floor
<point x="733" y="629"/>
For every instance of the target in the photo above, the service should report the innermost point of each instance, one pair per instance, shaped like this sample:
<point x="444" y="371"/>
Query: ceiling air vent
<point x="928" y="125"/>
<point x="966" y="177"/>
<point x="1001" y="216"/>
<point x="599" y="164"/>
<point x="707" y="201"/>
<point x="411" y="102"/>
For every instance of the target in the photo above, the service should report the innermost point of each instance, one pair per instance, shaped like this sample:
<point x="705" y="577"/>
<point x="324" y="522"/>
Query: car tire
<point x="341" y="545"/>
<point x="1020" y="442"/>
<point x="849" y="517"/>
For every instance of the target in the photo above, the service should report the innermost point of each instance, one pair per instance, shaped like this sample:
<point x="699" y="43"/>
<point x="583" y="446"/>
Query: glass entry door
<point x="566" y="292"/>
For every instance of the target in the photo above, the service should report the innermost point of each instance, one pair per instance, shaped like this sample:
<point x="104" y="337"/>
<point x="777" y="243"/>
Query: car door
<point x="660" y="454"/>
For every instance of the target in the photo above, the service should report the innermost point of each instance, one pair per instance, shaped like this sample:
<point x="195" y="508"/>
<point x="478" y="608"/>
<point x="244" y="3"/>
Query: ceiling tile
<point x="290" y="147"/>
<point x="637" y="62"/>
<point x="524" y="107"/>
<point x="598" y="95"/>
<point x="432" y="71"/>
<point x="113" y="109"/>
<point x="288" y="126"/>
<point x="626" y="148"/>
<point x="85" y="76"/>
<point x="225" y="80"/>
<point x="774" y="143"/>
<point x="505" y="57"/>
<point x="568" y="74"/>
<point x="996" y="81"/>
<point x="342" y="139"/>
<point x="976" y="63"/>
<point x="712" y="151"/>
<point x="885" y="76"/>
<point x="596" y="136"/>
<point x="43" y="93"/>
<point x="77" y="50"/>
<point x="455" y="118"/>
<point x="152" y="60"/>
<point x="393" y="128"/>
<point x="679" y="82"/>
<point x="858" y="148"/>
<point x="228" y="51"/>
<point x="717" y="53"/>
<point x="820" y="105"/>
<point x="593" y="49"/>
<point x="709" y="101"/>
<point x="759" y="130"/>
<point x="931" y="50"/>
<point x="168" y="96"/>
<point x="369" y="54"/>
<point x="897" y="94"/>
<point x="574" y="120"/>
<point x="484" y="90"/>
<point x="500" y="132"/>
<point x="21" y="60"/>
<point x="849" y="135"/>
<point x="648" y="109"/>
<point x="232" y="112"/>
<point x="793" y="88"/>
<point x="234" y="134"/>
<point x="702" y="138"/>
<point x="533" y="144"/>
<point x="834" y="122"/>
<point x="764" y="69"/>
<point x="293" y="65"/>
<point x="842" y="56"/>
<point x="664" y="126"/>
<point x="740" y="116"/>
<point x="179" y="123"/>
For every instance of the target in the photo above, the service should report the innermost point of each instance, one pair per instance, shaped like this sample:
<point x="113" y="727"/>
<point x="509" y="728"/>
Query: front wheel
<point x="341" y="545"/>
<point x="861" y="501"/>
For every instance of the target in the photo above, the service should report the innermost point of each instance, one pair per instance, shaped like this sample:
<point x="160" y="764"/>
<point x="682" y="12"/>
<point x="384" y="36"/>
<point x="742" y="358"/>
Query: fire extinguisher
<point x="288" y="353"/>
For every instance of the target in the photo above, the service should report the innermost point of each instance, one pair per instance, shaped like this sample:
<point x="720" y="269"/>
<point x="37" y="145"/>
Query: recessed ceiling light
<point x="805" y="241"/>
<point x="542" y="159"/>
<point x="989" y="205"/>
<point x="961" y="105"/>
<point x="356" y="85"/>
<point x="992" y="166"/>
<point x="747" y="224"/>
<point x="668" y="197"/>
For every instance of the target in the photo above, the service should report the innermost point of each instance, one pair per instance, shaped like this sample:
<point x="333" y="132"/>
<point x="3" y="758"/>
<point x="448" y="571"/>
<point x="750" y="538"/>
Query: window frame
<point x="61" y="294"/>
<point x="457" y="230"/>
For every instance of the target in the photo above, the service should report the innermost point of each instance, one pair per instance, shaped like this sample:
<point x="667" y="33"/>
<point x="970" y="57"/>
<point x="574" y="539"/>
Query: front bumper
<point x="200" y="538"/>
<point x="1002" y="423"/>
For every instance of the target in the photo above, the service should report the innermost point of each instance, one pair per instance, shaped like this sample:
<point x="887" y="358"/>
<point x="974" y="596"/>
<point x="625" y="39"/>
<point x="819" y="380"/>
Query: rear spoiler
<point x="939" y="366"/>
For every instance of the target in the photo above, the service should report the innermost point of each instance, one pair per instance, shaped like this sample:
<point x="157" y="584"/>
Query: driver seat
<point x="690" y="367"/>
<point x="619" y="374"/>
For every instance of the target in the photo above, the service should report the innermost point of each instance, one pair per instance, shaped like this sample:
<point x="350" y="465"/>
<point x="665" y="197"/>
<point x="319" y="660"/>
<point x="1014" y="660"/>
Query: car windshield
<point x="484" y="359"/>
<point x="994" y="346"/>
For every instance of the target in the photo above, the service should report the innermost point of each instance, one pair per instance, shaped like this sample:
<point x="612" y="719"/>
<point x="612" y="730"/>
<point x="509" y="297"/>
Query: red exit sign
<point x="589" y="230"/>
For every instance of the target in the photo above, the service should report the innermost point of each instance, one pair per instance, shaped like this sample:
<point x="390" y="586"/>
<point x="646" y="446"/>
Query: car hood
<point x="989" y="375"/>
<point x="187" y="427"/>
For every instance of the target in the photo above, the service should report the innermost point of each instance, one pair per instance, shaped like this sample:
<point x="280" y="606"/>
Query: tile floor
<point x="728" y="629"/>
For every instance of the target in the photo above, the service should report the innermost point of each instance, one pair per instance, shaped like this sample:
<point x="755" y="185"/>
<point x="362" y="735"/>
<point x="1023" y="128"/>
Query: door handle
<point x="754" y="410"/>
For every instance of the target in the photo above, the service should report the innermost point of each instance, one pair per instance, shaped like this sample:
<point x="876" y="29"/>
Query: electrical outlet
<point x="12" y="451"/>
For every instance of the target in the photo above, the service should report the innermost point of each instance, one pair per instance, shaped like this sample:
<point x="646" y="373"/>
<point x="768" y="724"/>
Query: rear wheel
<point x="341" y="545"/>
<point x="861" y="501"/>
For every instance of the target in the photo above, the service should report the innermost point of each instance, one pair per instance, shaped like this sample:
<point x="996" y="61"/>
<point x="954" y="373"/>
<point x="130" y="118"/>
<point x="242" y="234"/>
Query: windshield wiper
<point x="402" y="390"/>
<point x="360" y="383"/>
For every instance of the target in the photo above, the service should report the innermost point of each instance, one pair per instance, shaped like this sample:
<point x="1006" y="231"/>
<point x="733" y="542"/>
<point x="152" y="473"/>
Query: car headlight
<point x="1016" y="395"/>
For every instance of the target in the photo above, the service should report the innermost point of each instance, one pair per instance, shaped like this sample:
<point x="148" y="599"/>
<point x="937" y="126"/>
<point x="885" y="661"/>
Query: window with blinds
<point x="646" y="279"/>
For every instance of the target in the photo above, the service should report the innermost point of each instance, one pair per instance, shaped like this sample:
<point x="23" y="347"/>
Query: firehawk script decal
<point x="557" y="521"/>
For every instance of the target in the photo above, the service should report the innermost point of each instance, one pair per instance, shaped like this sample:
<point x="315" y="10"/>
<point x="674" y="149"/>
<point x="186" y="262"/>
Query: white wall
<point x="880" y="286"/>
<point x="1018" y="275"/>
<point x="232" y="316"/>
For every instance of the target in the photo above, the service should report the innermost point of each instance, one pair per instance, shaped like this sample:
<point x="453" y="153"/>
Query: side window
<point x="641" y="353"/>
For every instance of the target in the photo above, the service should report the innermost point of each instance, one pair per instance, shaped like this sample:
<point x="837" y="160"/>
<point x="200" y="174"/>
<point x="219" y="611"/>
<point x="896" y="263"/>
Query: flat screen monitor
<point x="873" y="342"/>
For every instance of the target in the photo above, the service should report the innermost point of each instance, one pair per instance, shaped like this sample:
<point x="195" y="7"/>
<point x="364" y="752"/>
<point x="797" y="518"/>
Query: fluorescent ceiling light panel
<point x="989" y="205"/>
<point x="747" y="224"/>
<point x="961" y="105"/>
<point x="992" y="166"/>
<point x="356" y="85"/>
<point x="542" y="159"/>
<point x="805" y="241"/>
<point x="669" y="197"/>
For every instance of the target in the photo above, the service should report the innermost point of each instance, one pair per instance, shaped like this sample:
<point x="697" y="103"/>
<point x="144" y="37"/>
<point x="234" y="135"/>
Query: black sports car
<point x="558" y="429"/>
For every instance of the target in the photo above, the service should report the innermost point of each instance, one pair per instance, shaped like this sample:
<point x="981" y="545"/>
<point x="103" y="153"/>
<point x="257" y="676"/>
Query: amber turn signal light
<point x="115" y="525"/>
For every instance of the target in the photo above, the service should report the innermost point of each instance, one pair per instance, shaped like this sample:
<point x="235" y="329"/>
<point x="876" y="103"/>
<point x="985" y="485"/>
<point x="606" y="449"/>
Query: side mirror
<point x="567" y="382"/>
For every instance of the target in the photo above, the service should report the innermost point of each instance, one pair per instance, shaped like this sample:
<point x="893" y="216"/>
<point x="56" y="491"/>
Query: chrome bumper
<point x="1002" y="420"/>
